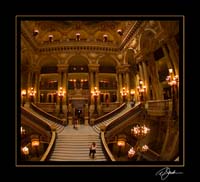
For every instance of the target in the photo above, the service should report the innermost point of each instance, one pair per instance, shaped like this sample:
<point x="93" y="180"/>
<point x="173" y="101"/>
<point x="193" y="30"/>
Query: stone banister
<point x="47" y="115"/>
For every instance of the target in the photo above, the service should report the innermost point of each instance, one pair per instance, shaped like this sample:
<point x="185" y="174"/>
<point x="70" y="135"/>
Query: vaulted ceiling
<point x="88" y="31"/>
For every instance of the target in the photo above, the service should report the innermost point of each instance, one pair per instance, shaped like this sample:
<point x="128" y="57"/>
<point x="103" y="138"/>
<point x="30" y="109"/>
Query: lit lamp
<point x="23" y="97"/>
<point x="23" y="131"/>
<point x="95" y="94"/>
<point x="35" y="32"/>
<point x="61" y="94"/>
<point x="35" y="142"/>
<point x="50" y="38"/>
<point x="173" y="82"/>
<point x="78" y="36"/>
<point x="139" y="132"/>
<point x="32" y="94"/>
<point x="105" y="38"/>
<point x="141" y="90"/>
<point x="25" y="151"/>
<point x="124" y="93"/>
<point x="131" y="152"/>
<point x="119" y="31"/>
<point x="120" y="143"/>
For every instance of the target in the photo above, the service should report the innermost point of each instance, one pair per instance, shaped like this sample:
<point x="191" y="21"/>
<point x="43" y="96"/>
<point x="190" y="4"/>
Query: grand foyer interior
<point x="87" y="69"/>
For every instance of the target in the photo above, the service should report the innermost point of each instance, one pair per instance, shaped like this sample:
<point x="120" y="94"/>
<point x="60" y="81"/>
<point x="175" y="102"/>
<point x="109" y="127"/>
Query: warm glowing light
<point x="95" y="92"/>
<point x="170" y="70"/>
<point x="144" y="148"/>
<point x="32" y="92"/>
<point x="172" y="80"/>
<point x="23" y="92"/>
<point x="121" y="143"/>
<point x="25" y="150"/>
<point x="61" y="92"/>
<point x="124" y="92"/>
<point x="132" y="92"/>
<point x="35" y="142"/>
<point x="131" y="152"/>
<point x="140" y="131"/>
<point x="23" y="131"/>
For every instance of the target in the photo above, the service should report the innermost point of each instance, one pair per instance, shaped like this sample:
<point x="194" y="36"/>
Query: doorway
<point x="79" y="115"/>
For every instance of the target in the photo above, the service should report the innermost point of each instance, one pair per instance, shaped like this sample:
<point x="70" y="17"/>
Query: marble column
<point x="146" y="80"/>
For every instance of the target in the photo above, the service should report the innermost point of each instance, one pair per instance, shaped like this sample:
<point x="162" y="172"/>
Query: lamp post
<point x="23" y="97"/>
<point x="132" y="97"/>
<point x="124" y="94"/>
<point x="95" y="94"/>
<point x="141" y="90"/>
<point x="173" y="81"/>
<point x="61" y="94"/>
<point x="25" y="152"/>
<point x="32" y="94"/>
<point x="35" y="142"/>
<point x="120" y="143"/>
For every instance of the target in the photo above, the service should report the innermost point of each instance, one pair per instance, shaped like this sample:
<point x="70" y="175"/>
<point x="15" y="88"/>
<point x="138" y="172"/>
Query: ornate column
<point x="36" y="71"/>
<point x="94" y="84"/>
<point x="127" y="79"/>
<point x="146" y="79"/>
<point x="171" y="45"/>
<point x="120" y="82"/>
<point x="156" y="85"/>
<point x="62" y="83"/>
<point x="141" y="71"/>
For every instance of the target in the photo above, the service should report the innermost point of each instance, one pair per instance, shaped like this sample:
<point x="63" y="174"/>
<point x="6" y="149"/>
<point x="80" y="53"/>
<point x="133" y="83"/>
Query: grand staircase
<point x="73" y="144"/>
<point x="106" y="122"/>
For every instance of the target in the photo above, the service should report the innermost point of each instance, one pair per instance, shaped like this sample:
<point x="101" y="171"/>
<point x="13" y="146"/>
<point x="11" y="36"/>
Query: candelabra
<point x="141" y="90"/>
<point x="23" y="97"/>
<point x="32" y="93"/>
<point x="124" y="94"/>
<point x="173" y="82"/>
<point x="95" y="94"/>
<point x="138" y="131"/>
<point x="61" y="94"/>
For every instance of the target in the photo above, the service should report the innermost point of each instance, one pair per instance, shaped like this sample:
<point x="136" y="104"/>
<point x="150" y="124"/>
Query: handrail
<point x="110" y="114"/>
<point x="109" y="124"/>
<point x="153" y="152"/>
<point x="47" y="115"/>
<point x="45" y="125"/>
<point x="50" y="146"/>
<point x="106" y="146"/>
<point x="35" y="119"/>
<point x="120" y="119"/>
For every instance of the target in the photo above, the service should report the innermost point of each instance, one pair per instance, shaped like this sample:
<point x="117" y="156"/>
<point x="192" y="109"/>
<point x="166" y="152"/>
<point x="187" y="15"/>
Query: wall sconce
<point x="22" y="130"/>
<point x="35" y="142"/>
<point x="50" y="38"/>
<point x="25" y="150"/>
<point x="173" y="82"/>
<point x="78" y="36"/>
<point x="23" y="97"/>
<point x="35" y="32"/>
<point x="105" y="38"/>
<point x="119" y="31"/>
<point x="124" y="93"/>
<point x="61" y="94"/>
<point x="142" y="90"/>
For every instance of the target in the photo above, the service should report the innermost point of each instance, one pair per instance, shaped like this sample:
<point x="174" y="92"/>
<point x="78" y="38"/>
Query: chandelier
<point x="139" y="131"/>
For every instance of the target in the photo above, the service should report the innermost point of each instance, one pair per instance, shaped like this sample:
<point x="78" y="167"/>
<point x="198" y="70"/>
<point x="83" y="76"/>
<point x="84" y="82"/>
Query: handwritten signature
<point x="165" y="172"/>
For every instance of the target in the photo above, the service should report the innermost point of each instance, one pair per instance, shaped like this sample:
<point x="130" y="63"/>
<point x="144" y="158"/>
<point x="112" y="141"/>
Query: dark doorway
<point x="79" y="115"/>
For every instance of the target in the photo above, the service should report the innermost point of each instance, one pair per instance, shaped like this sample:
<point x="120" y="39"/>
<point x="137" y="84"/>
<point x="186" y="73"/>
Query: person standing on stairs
<point x="93" y="148"/>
